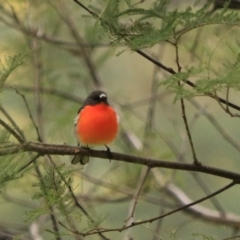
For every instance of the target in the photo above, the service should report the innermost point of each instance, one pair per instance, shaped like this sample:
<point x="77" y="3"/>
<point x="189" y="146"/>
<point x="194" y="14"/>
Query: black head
<point x="96" y="97"/>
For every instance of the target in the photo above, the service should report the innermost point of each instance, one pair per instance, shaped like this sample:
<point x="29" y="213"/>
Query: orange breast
<point x="97" y="125"/>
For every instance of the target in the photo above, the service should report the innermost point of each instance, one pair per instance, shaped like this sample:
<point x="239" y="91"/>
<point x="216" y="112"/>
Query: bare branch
<point x="12" y="131"/>
<point x="74" y="32"/>
<point x="141" y="181"/>
<point x="162" y="216"/>
<point x="14" y="124"/>
<point x="53" y="149"/>
<point x="182" y="199"/>
<point x="51" y="91"/>
<point x="29" y="112"/>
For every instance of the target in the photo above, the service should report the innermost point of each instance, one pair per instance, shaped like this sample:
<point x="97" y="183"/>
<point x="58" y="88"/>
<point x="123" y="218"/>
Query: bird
<point x="96" y="124"/>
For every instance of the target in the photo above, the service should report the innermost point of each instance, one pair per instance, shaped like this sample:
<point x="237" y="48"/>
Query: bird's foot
<point x="109" y="153"/>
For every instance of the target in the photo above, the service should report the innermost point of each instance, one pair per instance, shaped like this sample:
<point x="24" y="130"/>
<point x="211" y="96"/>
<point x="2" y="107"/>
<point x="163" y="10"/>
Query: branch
<point x="75" y="34"/>
<point x="126" y="191"/>
<point x="206" y="214"/>
<point x="141" y="181"/>
<point x="12" y="131"/>
<point x="50" y="91"/>
<point x="13" y="123"/>
<point x="173" y="193"/>
<point x="162" y="66"/>
<point x="54" y="149"/>
<point x="102" y="230"/>
<point x="29" y="112"/>
<point x="191" y="84"/>
<point x="38" y="33"/>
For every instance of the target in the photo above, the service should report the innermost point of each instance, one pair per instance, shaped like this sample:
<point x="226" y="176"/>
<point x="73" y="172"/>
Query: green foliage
<point x="136" y="27"/>
<point x="9" y="166"/>
<point x="180" y="91"/>
<point x="56" y="68"/>
<point x="52" y="187"/>
<point x="10" y="64"/>
<point x="139" y="33"/>
<point x="227" y="78"/>
<point x="190" y="19"/>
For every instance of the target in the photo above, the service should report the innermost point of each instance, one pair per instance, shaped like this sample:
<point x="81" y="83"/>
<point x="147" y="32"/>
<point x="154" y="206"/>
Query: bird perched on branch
<point x="96" y="123"/>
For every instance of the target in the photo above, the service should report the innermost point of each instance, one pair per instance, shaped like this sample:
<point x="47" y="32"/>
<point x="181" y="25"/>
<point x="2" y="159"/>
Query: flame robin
<point x="96" y="123"/>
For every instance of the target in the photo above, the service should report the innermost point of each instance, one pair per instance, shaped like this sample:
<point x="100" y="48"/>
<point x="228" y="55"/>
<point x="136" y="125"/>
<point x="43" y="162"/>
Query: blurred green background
<point x="55" y="79"/>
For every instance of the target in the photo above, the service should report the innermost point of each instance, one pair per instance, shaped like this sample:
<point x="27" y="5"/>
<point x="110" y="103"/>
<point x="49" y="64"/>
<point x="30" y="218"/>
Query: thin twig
<point x="77" y="204"/>
<point x="181" y="198"/>
<point x="195" y="160"/>
<point x="87" y="9"/>
<point x="75" y="33"/>
<point x="52" y="214"/>
<point x="51" y="91"/>
<point x="164" y="215"/>
<point x="38" y="66"/>
<point x="29" y="163"/>
<point x="29" y="113"/>
<point x="16" y="24"/>
<point x="204" y="186"/>
<point x="191" y="84"/>
<point x="12" y="131"/>
<point x="151" y="109"/>
<point x="141" y="181"/>
<point x="116" y="188"/>
<point x="39" y="126"/>
<point x="14" y="124"/>
<point x="158" y="227"/>
<point x="159" y="64"/>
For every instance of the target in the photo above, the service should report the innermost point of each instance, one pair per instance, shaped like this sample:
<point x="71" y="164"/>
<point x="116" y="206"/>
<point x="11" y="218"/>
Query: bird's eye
<point x="96" y="98"/>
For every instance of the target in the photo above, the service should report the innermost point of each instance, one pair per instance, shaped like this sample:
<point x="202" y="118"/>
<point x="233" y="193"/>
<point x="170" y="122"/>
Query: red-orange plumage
<point x="96" y="125"/>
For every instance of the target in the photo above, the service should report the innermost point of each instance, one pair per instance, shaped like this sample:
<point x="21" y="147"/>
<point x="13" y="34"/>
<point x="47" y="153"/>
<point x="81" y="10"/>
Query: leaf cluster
<point x="52" y="188"/>
<point x="9" y="166"/>
<point x="9" y="64"/>
<point x="139" y="28"/>
<point x="143" y="27"/>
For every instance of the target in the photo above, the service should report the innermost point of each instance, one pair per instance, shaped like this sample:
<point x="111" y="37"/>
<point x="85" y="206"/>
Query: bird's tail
<point x="80" y="159"/>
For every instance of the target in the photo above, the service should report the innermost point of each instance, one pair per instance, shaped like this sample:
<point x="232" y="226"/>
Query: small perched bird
<point x="96" y="123"/>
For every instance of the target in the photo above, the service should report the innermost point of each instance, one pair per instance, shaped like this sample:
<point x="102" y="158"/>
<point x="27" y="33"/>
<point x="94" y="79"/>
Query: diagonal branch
<point x="12" y="131"/>
<point x="167" y="69"/>
<point x="13" y="123"/>
<point x="74" y="32"/>
<point x="141" y="181"/>
<point x="164" y="215"/>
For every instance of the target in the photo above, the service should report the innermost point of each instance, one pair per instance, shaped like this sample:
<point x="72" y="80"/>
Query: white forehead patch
<point x="102" y="95"/>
